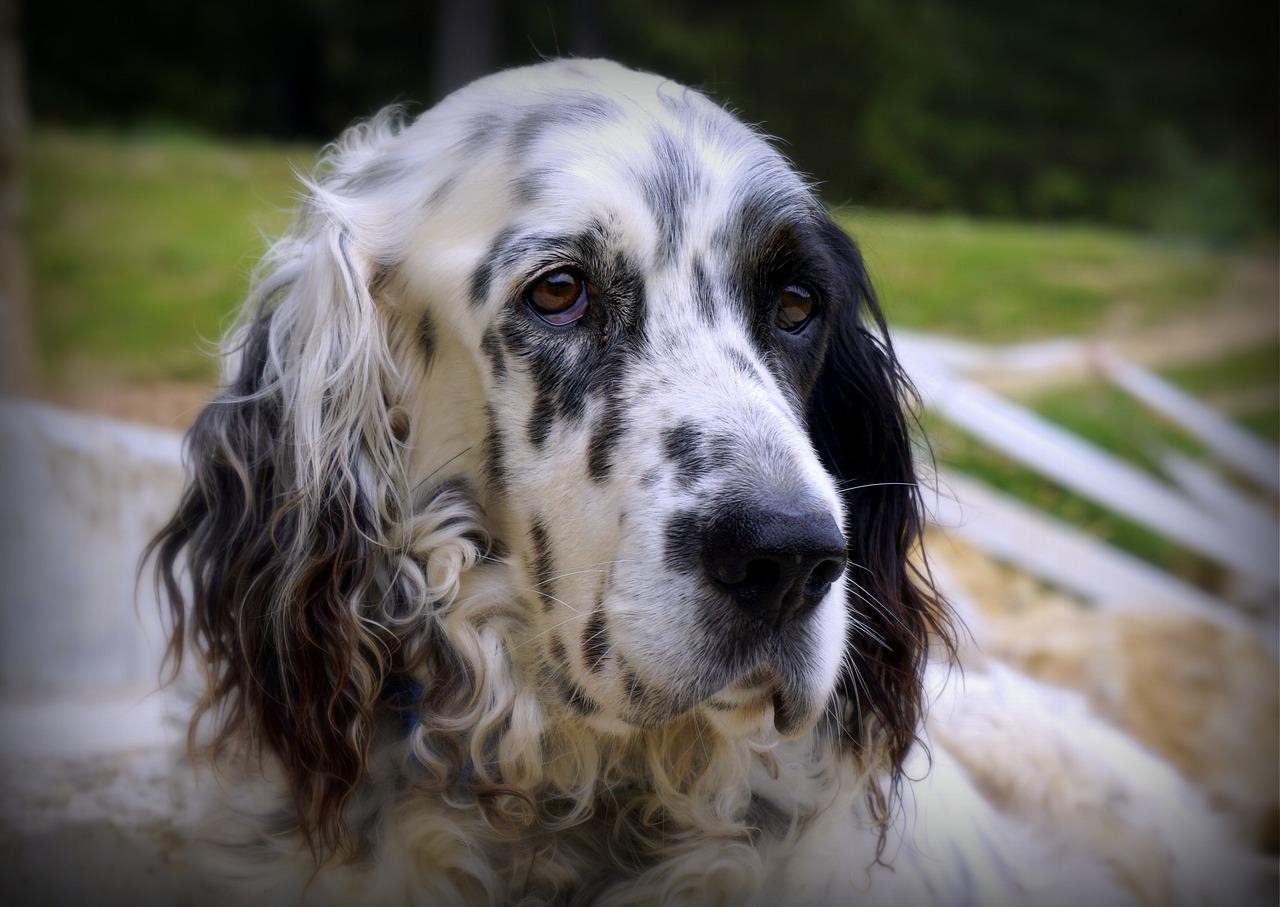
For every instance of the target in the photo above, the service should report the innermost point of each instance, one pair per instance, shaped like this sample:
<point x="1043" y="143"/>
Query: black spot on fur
<point x="543" y="564"/>
<point x="742" y="362"/>
<point x="481" y="132"/>
<point x="704" y="302"/>
<point x="595" y="641"/>
<point x="442" y="191"/>
<point x="571" y="694"/>
<point x="566" y="112"/>
<point x="495" y="463"/>
<point x="558" y="653"/>
<point x="636" y="690"/>
<point x="605" y="436"/>
<point x="540" y="419"/>
<point x="683" y="539"/>
<point x="668" y="187"/>
<point x="717" y="705"/>
<point x="682" y="445"/>
<point x="530" y="186"/>
<point x="427" y="338"/>
<point x="491" y="346"/>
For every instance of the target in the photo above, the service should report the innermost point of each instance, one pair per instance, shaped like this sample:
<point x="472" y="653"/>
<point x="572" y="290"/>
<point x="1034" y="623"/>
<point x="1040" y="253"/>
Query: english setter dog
<point x="554" y="540"/>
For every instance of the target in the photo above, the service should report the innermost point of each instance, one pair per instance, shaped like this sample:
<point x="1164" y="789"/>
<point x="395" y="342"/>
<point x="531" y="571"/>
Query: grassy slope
<point x="142" y="247"/>
<point x="1005" y="281"/>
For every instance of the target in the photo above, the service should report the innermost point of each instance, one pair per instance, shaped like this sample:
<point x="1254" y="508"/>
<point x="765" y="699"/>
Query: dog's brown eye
<point x="795" y="308"/>
<point x="560" y="297"/>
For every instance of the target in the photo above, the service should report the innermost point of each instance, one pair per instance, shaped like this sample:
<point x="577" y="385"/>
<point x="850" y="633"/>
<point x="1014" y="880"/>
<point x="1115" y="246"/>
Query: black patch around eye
<point x="605" y="436"/>
<point x="569" y="367"/>
<point x="682" y="542"/>
<point x="595" y="641"/>
<point x="543" y="564"/>
<point x="491" y="346"/>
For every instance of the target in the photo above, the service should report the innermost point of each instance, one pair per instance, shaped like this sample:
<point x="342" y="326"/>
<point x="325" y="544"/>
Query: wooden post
<point x="17" y="368"/>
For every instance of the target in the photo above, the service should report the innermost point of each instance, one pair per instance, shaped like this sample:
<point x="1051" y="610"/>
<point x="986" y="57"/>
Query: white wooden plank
<point x="1223" y="498"/>
<point x="1064" y="556"/>
<point x="1094" y="473"/>
<point x="1226" y="440"/>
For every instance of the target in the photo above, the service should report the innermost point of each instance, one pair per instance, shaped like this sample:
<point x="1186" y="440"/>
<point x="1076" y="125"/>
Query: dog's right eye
<point x="559" y="297"/>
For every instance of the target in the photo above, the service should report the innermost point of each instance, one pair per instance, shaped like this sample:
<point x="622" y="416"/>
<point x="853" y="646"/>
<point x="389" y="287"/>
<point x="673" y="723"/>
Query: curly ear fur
<point x="859" y="419"/>
<point x="286" y="530"/>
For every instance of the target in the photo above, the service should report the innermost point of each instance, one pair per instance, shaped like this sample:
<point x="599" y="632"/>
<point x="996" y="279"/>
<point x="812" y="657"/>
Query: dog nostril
<point x="828" y="571"/>
<point x="760" y="575"/>
<point x="822" y="577"/>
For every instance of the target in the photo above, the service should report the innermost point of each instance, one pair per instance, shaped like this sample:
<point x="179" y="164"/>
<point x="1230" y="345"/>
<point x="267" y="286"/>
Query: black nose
<point x="776" y="561"/>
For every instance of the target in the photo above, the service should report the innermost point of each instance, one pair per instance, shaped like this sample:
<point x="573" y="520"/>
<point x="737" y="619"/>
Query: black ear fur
<point x="860" y="421"/>
<point x="280" y="597"/>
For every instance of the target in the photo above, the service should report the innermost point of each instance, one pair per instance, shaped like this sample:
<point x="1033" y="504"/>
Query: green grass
<point x="1002" y="281"/>
<point x="1256" y="367"/>
<point x="142" y="246"/>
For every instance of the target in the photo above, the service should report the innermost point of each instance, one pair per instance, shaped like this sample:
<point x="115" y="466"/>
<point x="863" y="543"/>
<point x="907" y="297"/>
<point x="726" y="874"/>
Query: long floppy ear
<point x="284" y="528"/>
<point x="860" y="419"/>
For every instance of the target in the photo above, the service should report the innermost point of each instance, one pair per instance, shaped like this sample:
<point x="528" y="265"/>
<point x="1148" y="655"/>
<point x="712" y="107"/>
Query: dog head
<point x="611" y="317"/>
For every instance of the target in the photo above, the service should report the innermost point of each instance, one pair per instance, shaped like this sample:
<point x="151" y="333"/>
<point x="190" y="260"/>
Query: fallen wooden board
<point x="1220" y="496"/>
<point x="1230" y="443"/>
<point x="1064" y="556"/>
<point x="1090" y="471"/>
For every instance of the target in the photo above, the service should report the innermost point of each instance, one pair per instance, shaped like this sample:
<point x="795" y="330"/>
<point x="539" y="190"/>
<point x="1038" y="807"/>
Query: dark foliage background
<point x="1152" y="113"/>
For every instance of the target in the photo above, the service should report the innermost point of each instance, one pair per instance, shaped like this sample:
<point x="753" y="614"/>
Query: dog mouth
<point x="763" y="690"/>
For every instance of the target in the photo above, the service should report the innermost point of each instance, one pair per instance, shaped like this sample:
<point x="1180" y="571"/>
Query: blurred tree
<point x="1152" y="112"/>
<point x="17" y="345"/>
<point x="465" y="45"/>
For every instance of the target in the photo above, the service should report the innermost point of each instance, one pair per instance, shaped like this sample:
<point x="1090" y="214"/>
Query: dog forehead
<point x="568" y="138"/>
<point x="564" y="146"/>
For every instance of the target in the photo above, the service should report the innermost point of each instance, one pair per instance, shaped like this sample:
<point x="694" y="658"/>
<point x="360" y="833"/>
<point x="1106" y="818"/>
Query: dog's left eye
<point x="795" y="308"/>
<point x="559" y="297"/>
